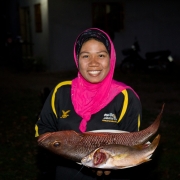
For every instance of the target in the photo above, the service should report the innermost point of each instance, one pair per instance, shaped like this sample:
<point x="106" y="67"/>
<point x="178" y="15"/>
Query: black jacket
<point x="124" y="112"/>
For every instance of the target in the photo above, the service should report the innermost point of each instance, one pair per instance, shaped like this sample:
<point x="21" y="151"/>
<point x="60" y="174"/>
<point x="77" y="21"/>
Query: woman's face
<point x="94" y="61"/>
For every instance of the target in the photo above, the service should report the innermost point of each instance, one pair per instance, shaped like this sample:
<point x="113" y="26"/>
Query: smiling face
<point x="94" y="61"/>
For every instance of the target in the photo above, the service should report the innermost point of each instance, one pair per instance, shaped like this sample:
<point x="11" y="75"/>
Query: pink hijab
<point x="89" y="98"/>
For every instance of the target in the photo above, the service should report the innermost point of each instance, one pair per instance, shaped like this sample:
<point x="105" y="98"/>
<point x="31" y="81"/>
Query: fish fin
<point x="79" y="134"/>
<point x="161" y="112"/>
<point x="143" y="161"/>
<point x="154" y="143"/>
<point x="79" y="163"/>
<point x="141" y="146"/>
<point x="149" y="156"/>
<point x="97" y="133"/>
<point x="124" y="167"/>
<point x="156" y="140"/>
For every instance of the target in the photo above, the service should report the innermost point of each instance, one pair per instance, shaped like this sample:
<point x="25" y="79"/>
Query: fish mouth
<point x="96" y="159"/>
<point x="99" y="157"/>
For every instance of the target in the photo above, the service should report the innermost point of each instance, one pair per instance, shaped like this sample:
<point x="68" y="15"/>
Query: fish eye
<point x="56" y="144"/>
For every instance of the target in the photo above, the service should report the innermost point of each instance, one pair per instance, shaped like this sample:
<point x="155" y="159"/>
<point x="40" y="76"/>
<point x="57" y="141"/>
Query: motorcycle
<point x="158" y="61"/>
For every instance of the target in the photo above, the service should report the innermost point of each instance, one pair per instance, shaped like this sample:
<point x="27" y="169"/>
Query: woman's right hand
<point x="100" y="172"/>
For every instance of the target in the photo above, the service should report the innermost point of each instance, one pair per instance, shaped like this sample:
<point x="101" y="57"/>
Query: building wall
<point x="67" y="20"/>
<point x="40" y="40"/>
<point x="156" y="24"/>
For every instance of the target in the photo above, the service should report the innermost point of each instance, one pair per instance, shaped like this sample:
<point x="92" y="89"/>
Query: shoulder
<point x="128" y="97"/>
<point x="61" y="87"/>
<point x="124" y="89"/>
<point x="63" y="84"/>
<point x="132" y="93"/>
<point x="128" y="93"/>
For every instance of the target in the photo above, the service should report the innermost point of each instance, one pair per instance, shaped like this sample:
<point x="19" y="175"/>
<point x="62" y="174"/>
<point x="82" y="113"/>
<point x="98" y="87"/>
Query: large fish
<point x="115" y="156"/>
<point x="75" y="146"/>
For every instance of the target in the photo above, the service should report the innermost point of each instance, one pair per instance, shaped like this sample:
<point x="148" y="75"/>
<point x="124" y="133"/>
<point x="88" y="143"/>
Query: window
<point x="37" y="16"/>
<point x="108" y="17"/>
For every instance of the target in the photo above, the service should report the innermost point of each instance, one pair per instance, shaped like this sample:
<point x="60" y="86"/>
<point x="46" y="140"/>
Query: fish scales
<point x="75" y="146"/>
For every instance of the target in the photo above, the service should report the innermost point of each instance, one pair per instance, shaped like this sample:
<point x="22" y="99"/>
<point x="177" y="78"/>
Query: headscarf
<point x="89" y="98"/>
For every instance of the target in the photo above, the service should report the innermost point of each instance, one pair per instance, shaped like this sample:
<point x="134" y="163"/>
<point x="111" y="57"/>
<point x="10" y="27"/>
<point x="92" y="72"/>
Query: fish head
<point x="59" y="142"/>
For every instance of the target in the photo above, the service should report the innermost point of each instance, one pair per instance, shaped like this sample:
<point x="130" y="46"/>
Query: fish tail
<point x="155" y="125"/>
<point x="160" y="115"/>
<point x="155" y="142"/>
<point x="152" y="129"/>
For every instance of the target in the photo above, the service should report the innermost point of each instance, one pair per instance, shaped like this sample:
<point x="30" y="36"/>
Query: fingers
<point x="100" y="173"/>
<point x="107" y="172"/>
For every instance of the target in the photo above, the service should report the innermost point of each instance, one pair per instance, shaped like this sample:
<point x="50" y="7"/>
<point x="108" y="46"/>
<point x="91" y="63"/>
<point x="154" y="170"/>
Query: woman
<point x="92" y="101"/>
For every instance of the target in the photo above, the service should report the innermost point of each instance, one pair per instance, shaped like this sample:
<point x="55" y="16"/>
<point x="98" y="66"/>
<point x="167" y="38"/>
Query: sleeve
<point x="47" y="121"/>
<point x="133" y="114"/>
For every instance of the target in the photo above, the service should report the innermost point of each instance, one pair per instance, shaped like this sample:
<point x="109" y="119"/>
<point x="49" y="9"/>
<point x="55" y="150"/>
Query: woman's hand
<point x="100" y="172"/>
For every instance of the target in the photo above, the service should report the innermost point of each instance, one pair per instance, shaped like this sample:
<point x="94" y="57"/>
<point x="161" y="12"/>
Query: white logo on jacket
<point x="109" y="117"/>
